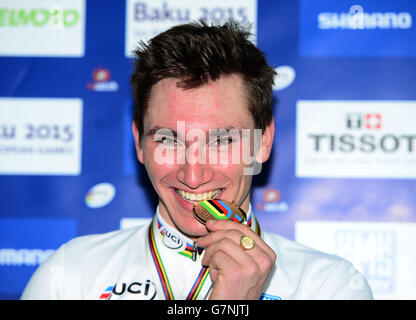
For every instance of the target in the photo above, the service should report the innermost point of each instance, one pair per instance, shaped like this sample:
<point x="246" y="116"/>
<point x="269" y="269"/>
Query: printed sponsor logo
<point x="266" y="296"/>
<point x="147" y="18"/>
<point x="106" y="295"/>
<point x="102" y="81"/>
<point x="371" y="28"/>
<point x="40" y="136"/>
<point x="271" y="201"/>
<point x="350" y="139"/>
<point x="284" y="77"/>
<point x="100" y="195"/>
<point x="24" y="257"/>
<point x="44" y="28"/>
<point x="170" y="240"/>
<point x="133" y="290"/>
<point x="372" y="252"/>
<point x="25" y="243"/>
<point x="378" y="250"/>
<point x="358" y="19"/>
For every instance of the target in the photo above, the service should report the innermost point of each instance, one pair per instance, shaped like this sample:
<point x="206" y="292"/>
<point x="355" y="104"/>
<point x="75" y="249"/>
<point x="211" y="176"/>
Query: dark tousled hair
<point x="196" y="53"/>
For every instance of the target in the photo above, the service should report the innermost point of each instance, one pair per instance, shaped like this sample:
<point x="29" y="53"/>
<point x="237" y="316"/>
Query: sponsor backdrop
<point x="343" y="169"/>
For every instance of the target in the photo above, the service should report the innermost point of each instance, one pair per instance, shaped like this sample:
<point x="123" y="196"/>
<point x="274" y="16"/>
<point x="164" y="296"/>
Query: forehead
<point x="219" y="103"/>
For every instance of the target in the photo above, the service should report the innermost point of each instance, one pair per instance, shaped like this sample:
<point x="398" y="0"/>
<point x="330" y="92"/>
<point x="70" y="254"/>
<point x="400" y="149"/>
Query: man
<point x="202" y="93"/>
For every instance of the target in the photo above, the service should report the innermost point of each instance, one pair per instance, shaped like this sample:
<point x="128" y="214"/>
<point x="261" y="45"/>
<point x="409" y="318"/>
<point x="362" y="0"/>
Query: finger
<point x="217" y="225"/>
<point x="224" y="225"/>
<point x="263" y="260"/>
<point x="221" y="264"/>
<point x="212" y="237"/>
<point x="234" y="266"/>
<point x="230" y="248"/>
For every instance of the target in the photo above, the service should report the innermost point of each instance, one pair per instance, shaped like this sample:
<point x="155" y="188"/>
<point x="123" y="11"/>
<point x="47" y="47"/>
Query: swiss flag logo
<point x="373" y="121"/>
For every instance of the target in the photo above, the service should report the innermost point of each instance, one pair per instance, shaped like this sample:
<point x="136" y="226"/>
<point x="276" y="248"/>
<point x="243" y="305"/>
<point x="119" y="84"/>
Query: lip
<point x="186" y="204"/>
<point x="199" y="191"/>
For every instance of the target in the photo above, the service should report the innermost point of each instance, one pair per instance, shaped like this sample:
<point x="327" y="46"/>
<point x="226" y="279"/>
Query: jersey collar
<point x="171" y="240"/>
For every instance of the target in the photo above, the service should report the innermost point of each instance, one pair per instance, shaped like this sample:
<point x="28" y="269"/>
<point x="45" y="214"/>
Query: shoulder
<point x="103" y="243"/>
<point x="91" y="251"/>
<point x="80" y="261"/>
<point x="291" y="252"/>
<point x="306" y="273"/>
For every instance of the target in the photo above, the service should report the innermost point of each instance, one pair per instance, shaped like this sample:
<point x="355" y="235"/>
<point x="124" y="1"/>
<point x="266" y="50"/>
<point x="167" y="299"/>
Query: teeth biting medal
<point x="212" y="209"/>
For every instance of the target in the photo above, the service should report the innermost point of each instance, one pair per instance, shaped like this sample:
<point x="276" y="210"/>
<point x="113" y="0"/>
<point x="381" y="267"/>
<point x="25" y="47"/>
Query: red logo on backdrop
<point x="272" y="202"/>
<point x="271" y="195"/>
<point x="102" y="81"/>
<point x="101" y="74"/>
<point x="373" y="121"/>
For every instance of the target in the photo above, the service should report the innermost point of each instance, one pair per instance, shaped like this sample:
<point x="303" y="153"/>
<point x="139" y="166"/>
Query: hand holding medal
<point x="239" y="260"/>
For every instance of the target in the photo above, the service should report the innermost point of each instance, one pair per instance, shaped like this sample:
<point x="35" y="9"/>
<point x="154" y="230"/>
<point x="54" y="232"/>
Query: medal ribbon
<point x="200" y="279"/>
<point x="164" y="280"/>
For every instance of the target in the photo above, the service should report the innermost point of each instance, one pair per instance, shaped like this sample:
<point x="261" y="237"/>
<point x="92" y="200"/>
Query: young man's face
<point x="192" y="147"/>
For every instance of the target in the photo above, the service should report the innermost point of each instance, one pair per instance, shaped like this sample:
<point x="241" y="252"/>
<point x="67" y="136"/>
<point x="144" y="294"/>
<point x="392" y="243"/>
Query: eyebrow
<point x="220" y="132"/>
<point x="160" y="130"/>
<point x="212" y="132"/>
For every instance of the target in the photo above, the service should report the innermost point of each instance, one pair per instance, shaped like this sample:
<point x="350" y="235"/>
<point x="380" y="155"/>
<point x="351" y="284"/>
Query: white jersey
<point x="155" y="261"/>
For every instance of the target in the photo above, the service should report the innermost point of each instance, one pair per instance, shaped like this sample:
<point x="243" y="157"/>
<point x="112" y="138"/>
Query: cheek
<point x="233" y="171"/>
<point x="158" y="163"/>
<point x="239" y="165"/>
<point x="237" y="156"/>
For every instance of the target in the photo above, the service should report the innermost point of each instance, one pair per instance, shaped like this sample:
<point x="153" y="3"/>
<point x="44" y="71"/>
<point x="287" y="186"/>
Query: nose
<point x="194" y="173"/>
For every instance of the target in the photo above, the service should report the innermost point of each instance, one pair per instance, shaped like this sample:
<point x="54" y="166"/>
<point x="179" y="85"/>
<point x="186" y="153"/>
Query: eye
<point x="167" y="140"/>
<point x="223" y="141"/>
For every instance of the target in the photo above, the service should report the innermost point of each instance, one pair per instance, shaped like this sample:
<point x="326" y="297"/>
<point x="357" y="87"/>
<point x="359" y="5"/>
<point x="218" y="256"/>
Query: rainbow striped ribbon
<point x="198" y="284"/>
<point x="163" y="277"/>
<point x="256" y="226"/>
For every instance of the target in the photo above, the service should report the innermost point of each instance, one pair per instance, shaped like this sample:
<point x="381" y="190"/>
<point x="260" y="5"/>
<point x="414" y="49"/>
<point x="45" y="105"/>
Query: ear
<point x="139" y="148"/>
<point x="263" y="153"/>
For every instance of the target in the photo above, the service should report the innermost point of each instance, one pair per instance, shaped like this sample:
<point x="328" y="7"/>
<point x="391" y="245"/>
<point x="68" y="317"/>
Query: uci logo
<point x="170" y="240"/>
<point x="135" y="290"/>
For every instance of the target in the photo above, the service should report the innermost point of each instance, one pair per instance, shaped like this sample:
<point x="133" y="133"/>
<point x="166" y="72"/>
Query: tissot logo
<point x="356" y="139"/>
<point x="360" y="121"/>
<point x="366" y="143"/>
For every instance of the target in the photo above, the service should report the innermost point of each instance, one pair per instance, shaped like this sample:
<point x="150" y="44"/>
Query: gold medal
<point x="212" y="209"/>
